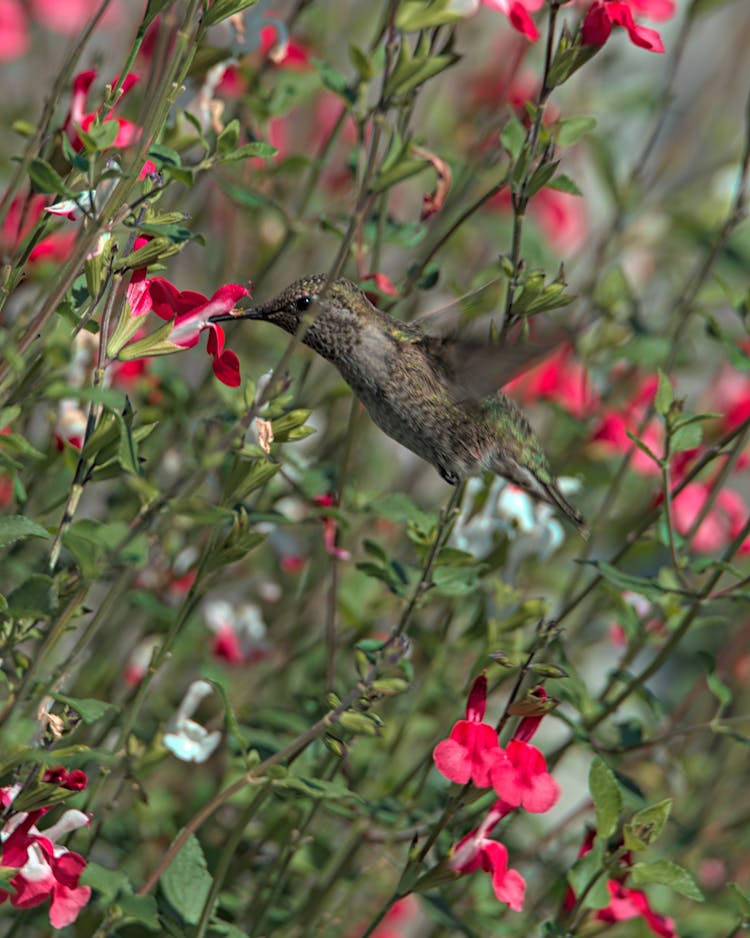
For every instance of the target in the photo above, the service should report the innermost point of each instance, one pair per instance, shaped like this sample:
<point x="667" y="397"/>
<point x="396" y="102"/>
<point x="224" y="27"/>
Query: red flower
<point x="14" y="31"/>
<point x="559" y="378"/>
<point x="604" y="14"/>
<point x="77" y="115"/>
<point x="478" y="851"/>
<point x="723" y="522"/>
<point x="45" y="869"/>
<point x="330" y="528"/>
<point x="59" y="775"/>
<point x="626" y="903"/>
<point x="281" y="50"/>
<point x="517" y="12"/>
<point x="612" y="433"/>
<point x="630" y="903"/>
<point x="522" y="780"/>
<point x="472" y="747"/>
<point x="190" y="312"/>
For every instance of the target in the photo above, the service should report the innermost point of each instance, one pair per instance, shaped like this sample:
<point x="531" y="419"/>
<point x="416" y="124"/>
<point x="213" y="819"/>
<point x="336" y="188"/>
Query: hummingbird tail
<point x="555" y="497"/>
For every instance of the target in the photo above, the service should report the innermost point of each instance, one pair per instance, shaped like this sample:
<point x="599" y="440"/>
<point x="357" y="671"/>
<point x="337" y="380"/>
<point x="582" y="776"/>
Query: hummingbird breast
<point x="411" y="402"/>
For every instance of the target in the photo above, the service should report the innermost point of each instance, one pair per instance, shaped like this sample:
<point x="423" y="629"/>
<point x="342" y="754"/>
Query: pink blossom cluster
<point x="44" y="868"/>
<point x="518" y="774"/>
<point x="625" y="902"/>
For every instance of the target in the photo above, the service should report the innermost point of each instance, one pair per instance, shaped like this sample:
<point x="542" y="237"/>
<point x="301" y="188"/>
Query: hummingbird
<point x="437" y="396"/>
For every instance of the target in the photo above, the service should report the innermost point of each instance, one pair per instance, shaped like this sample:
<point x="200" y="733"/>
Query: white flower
<point x="188" y="740"/>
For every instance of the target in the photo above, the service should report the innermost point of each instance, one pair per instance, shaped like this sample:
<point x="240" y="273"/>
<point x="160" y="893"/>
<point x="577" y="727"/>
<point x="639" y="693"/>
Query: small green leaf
<point x="89" y="709"/>
<point x="685" y="437"/>
<point x="664" y="395"/>
<point x="666" y="873"/>
<point x="221" y="10"/>
<point x="186" y="882"/>
<point x="564" y="183"/>
<point x="16" y="527"/>
<point x="35" y="598"/>
<point x="646" y="825"/>
<point x="607" y="797"/>
<point x="643" y="586"/>
<point x="257" y="149"/>
<point x="570" y="131"/>
<point x="513" y="138"/>
<point x="587" y="870"/>
<point x="47" y="179"/>
<point x="227" y="140"/>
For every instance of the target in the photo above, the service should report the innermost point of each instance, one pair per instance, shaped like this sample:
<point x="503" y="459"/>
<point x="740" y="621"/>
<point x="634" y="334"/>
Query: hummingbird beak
<point x="251" y="312"/>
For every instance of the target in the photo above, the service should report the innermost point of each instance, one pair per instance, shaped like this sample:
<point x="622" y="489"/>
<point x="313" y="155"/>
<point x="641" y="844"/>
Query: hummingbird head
<point x="333" y="310"/>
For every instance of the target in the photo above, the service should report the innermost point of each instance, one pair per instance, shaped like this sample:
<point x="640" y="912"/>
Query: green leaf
<point x="401" y="509"/>
<point x="16" y="527"/>
<point x="456" y="581"/>
<point x="47" y="179"/>
<point x="643" y="586"/>
<point x="646" y="825"/>
<point x="228" y="138"/>
<point x="335" y="81"/>
<point x="666" y="873"/>
<point x="108" y="882"/>
<point x="685" y="437"/>
<point x="564" y="183"/>
<point x="413" y="15"/>
<point x="222" y="10"/>
<point x="89" y="709"/>
<point x="570" y="131"/>
<point x="664" y="395"/>
<point x="743" y="902"/>
<point x="318" y="788"/>
<point x="589" y="869"/>
<point x="34" y="598"/>
<point x="141" y="909"/>
<point x="607" y="797"/>
<point x="186" y="882"/>
<point x="513" y="138"/>
<point x="257" y="149"/>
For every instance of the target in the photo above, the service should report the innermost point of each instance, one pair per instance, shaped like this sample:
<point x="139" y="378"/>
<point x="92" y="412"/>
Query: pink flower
<point x="604" y="14"/>
<point x="281" y="50"/>
<point x="14" y="31"/>
<point x="517" y="12"/>
<point x="472" y="748"/>
<point x="239" y="632"/>
<point x="69" y="18"/>
<point x="630" y="903"/>
<point x="45" y="869"/>
<point x="78" y="116"/>
<point x="59" y="775"/>
<point x="723" y="522"/>
<point x="612" y="433"/>
<point x="626" y="903"/>
<point x="190" y="312"/>
<point x="522" y="780"/>
<point x="330" y="528"/>
<point x="560" y="378"/>
<point x="478" y="851"/>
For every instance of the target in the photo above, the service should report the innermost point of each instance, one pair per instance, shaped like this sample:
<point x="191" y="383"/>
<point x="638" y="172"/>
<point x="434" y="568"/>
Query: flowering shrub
<point x="237" y="620"/>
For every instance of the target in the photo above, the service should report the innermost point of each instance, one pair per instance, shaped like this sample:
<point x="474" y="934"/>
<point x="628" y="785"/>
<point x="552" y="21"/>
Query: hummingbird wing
<point x="481" y="368"/>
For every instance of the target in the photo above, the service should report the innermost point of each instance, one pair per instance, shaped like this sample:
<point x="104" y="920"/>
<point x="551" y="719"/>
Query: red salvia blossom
<point x="518" y="12"/>
<point x="330" y="528"/>
<point x="190" y="312"/>
<point x="626" y="903"/>
<point x="472" y="747"/>
<point x="478" y="851"/>
<point x="44" y="868"/>
<point x="522" y="780"/>
<point x="78" y="116"/>
<point x="559" y="378"/>
<point x="604" y="14"/>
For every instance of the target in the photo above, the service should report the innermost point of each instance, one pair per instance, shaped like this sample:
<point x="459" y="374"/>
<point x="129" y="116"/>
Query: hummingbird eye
<point x="302" y="303"/>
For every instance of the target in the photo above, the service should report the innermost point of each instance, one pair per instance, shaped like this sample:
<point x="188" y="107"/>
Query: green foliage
<point x="247" y="614"/>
